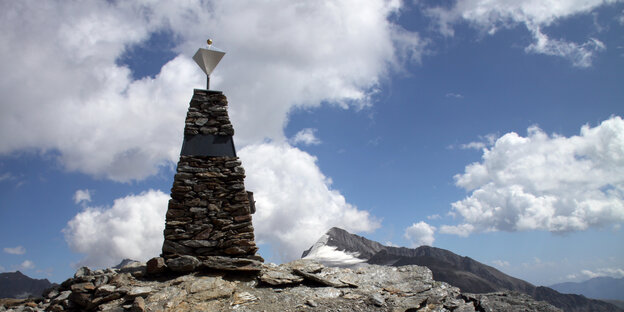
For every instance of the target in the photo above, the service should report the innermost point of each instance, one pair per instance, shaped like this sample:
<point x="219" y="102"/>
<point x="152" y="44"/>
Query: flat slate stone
<point x="156" y="266"/>
<point x="231" y="264"/>
<point x="139" y="291"/>
<point x="183" y="264"/>
<point x="306" y="265"/>
<point x="277" y="277"/>
<point x="317" y="279"/>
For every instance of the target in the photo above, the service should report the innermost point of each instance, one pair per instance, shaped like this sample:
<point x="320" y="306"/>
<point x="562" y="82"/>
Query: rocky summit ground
<point x="302" y="285"/>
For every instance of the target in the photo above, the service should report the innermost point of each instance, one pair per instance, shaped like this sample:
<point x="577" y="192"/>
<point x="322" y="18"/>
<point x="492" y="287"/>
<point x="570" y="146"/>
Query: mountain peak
<point x="18" y="285"/>
<point x="338" y="247"/>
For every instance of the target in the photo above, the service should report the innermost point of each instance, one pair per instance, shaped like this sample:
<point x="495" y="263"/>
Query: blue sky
<point x="490" y="129"/>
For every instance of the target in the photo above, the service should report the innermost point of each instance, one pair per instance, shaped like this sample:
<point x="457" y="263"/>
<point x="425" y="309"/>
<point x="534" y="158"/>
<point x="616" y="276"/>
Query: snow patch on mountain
<point x="331" y="256"/>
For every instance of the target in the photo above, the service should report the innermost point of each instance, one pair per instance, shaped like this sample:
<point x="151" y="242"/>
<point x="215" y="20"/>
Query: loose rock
<point x="138" y="305"/>
<point x="231" y="264"/>
<point x="156" y="266"/>
<point x="183" y="264"/>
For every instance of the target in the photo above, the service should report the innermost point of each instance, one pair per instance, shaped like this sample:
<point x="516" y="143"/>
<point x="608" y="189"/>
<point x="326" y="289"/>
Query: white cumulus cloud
<point x="306" y="136"/>
<point x="6" y="176"/>
<point x="612" y="272"/>
<point x="420" y="234"/>
<point x="295" y="202"/>
<point x="27" y="265"/>
<point x="579" y="54"/>
<point x="19" y="250"/>
<point x="484" y="141"/>
<point x="454" y="95"/>
<point x="545" y="182"/>
<point x="492" y="15"/>
<point x="434" y="217"/>
<point x="501" y="263"/>
<point x="460" y="230"/>
<point x="68" y="93"/>
<point x="82" y="196"/>
<point x="131" y="228"/>
<point x="473" y="145"/>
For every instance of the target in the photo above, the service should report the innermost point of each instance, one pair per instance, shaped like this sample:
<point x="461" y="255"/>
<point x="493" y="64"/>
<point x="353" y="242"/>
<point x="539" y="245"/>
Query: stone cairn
<point x="209" y="213"/>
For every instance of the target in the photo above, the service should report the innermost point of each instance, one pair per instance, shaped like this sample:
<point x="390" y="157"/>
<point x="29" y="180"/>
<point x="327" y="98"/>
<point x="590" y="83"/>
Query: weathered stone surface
<point x="318" y="279"/>
<point x="279" y="276"/>
<point x="100" y="280"/>
<point x="83" y="287"/>
<point x="208" y="288"/>
<point x="183" y="264"/>
<point x="311" y="303"/>
<point x="507" y="301"/>
<point x="112" y="306"/>
<point x="80" y="298"/>
<point x="231" y="264"/>
<point x="139" y="291"/>
<point x="82" y="272"/>
<point x="371" y="288"/>
<point x="173" y="248"/>
<point x="138" y="305"/>
<point x="306" y="265"/>
<point x="105" y="290"/>
<point x="243" y="298"/>
<point x="120" y="280"/>
<point x="155" y="266"/>
<point x="62" y="296"/>
<point x="377" y="299"/>
<point x="51" y="293"/>
<point x="55" y="308"/>
<point x="101" y="300"/>
<point x="135" y="268"/>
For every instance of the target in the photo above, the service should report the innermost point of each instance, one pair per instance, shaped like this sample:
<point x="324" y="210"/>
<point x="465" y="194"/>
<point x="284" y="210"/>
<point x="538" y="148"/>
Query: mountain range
<point x="341" y="248"/>
<point x="17" y="285"/>
<point x="598" y="287"/>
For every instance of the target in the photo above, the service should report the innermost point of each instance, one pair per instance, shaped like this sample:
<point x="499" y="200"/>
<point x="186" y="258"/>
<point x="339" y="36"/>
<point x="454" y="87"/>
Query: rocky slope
<point x="17" y="285"/>
<point x="302" y="285"/>
<point x="341" y="248"/>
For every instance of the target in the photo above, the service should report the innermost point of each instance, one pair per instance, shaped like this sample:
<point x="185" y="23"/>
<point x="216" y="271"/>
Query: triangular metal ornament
<point x="207" y="59"/>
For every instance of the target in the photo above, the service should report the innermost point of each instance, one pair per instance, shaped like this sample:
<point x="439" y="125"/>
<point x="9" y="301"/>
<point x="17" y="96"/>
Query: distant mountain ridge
<point x="598" y="288"/>
<point x="341" y="248"/>
<point x="17" y="285"/>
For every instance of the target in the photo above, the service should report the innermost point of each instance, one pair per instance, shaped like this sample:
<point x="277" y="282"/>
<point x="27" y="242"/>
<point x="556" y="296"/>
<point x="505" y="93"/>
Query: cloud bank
<point x="545" y="182"/>
<point x="18" y="250"/>
<point x="69" y="94"/>
<point x="612" y="272"/>
<point x="490" y="16"/>
<point x="132" y="228"/>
